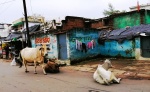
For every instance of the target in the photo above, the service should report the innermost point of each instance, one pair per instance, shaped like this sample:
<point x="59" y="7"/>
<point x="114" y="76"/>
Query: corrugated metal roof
<point x="19" y="34"/>
<point x="33" y="28"/>
<point x="13" y="35"/>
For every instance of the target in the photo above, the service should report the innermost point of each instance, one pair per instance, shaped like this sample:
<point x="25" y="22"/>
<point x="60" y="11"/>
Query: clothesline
<point x="84" y="46"/>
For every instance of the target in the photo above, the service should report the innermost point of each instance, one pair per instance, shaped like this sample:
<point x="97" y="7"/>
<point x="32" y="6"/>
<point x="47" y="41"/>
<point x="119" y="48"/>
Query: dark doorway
<point x="145" y="46"/>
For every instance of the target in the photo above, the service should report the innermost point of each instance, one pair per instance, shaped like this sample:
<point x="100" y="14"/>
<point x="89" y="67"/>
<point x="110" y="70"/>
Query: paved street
<point x="14" y="79"/>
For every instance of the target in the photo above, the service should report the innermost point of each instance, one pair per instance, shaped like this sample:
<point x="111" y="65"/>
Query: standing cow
<point x="103" y="76"/>
<point x="30" y="55"/>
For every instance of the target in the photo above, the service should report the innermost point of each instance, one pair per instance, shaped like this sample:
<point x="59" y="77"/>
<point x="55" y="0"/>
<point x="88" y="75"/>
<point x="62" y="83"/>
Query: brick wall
<point x="73" y="23"/>
<point x="97" y="24"/>
<point x="79" y="22"/>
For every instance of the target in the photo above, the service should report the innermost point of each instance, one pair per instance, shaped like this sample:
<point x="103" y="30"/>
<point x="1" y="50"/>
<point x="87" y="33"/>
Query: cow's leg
<point x="43" y="67"/>
<point x="106" y="81"/>
<point x="35" y="67"/>
<point x="114" y="79"/>
<point x="25" y="65"/>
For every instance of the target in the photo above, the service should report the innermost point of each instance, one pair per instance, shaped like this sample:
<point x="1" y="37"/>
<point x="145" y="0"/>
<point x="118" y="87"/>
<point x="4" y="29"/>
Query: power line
<point x="7" y="2"/>
<point x="5" y="9"/>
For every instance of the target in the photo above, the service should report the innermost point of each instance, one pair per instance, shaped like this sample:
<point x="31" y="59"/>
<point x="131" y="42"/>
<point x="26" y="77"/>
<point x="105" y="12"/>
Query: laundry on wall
<point x="91" y="44"/>
<point x="81" y="46"/>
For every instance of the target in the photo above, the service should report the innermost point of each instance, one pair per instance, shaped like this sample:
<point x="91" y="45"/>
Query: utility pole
<point x="26" y="20"/>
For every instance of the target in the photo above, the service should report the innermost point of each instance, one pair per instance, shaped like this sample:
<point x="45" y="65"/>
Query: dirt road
<point x="124" y="68"/>
<point x="14" y="79"/>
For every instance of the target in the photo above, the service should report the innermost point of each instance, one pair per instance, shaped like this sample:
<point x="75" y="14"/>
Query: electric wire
<point x="4" y="10"/>
<point x="7" y="2"/>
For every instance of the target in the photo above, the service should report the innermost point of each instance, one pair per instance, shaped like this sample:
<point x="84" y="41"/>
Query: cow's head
<point x="44" y="49"/>
<point x="107" y="64"/>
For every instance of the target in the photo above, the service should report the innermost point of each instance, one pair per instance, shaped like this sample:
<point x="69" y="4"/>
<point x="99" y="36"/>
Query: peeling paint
<point x="115" y="49"/>
<point x="127" y="20"/>
<point x="128" y="51"/>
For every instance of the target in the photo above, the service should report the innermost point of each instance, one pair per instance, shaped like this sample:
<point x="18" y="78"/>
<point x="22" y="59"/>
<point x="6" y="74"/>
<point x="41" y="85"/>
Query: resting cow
<point x="52" y="67"/>
<point x="103" y="76"/>
<point x="36" y="55"/>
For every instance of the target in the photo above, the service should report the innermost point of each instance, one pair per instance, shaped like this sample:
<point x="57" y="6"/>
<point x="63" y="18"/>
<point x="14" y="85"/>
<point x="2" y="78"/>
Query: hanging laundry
<point x="91" y="44"/>
<point x="78" y="45"/>
<point x="84" y="47"/>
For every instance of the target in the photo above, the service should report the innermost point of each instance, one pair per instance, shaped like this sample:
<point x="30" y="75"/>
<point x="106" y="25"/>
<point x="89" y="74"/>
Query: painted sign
<point x="42" y="40"/>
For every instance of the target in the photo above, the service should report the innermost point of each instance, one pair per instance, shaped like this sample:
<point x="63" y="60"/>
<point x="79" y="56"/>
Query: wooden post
<point x="26" y="20"/>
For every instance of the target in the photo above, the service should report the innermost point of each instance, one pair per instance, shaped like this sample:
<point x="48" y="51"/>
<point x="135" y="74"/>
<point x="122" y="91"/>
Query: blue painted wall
<point x="137" y="43"/>
<point x="114" y="49"/>
<point x="111" y="48"/>
<point x="53" y="52"/>
<point x="84" y="36"/>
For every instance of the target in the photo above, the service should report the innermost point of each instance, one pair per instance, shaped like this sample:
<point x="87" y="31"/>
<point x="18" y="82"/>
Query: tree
<point x="111" y="10"/>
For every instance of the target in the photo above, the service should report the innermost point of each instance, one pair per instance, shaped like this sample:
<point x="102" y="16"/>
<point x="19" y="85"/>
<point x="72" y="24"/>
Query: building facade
<point x="127" y="39"/>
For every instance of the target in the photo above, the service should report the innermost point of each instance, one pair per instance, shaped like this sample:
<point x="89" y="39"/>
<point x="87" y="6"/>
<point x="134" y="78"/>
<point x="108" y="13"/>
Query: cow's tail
<point x="19" y="61"/>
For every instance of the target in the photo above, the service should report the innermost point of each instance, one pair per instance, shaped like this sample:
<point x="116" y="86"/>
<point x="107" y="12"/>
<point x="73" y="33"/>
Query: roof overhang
<point x="18" y="23"/>
<point x="143" y="34"/>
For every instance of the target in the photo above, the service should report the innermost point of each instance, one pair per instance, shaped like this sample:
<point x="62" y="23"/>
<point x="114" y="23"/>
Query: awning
<point x="16" y="35"/>
<point x="32" y="29"/>
<point x="17" y="24"/>
<point x="2" y="38"/>
<point x="13" y="35"/>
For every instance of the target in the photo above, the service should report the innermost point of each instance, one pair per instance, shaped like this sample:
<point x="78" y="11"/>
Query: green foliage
<point x="111" y="10"/>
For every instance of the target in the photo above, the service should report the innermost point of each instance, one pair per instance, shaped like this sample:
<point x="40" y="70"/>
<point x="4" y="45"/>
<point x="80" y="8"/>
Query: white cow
<point x="30" y="55"/>
<point x="103" y="76"/>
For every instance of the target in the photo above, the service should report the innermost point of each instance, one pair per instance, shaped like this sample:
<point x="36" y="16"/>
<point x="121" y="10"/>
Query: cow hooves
<point x="26" y="71"/>
<point x="45" y="74"/>
<point x="35" y="73"/>
<point x="20" y="66"/>
<point x="119" y="79"/>
<point x="108" y="84"/>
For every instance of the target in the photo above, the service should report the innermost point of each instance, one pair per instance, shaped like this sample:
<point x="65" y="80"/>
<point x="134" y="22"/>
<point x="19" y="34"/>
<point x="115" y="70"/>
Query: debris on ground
<point x="124" y="68"/>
